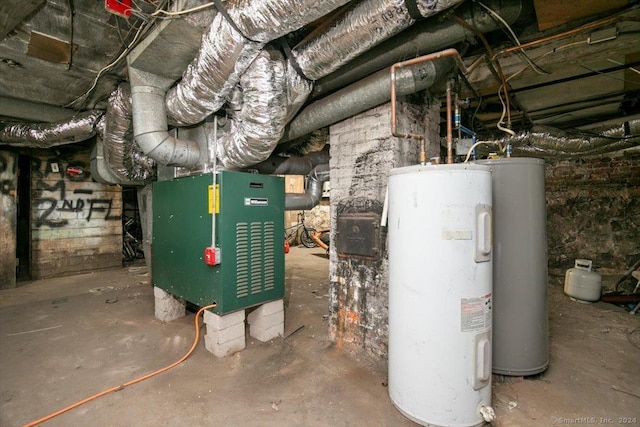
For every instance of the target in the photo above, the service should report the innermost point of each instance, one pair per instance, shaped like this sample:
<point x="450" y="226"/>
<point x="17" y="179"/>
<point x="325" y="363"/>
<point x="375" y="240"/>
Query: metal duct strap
<point x="412" y="8"/>
<point x="223" y="11"/>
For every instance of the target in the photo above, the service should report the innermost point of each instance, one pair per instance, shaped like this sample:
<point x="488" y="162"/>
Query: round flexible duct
<point x="44" y="135"/>
<point x="546" y="142"/>
<point x="227" y="50"/>
<point x="121" y="153"/>
<point x="362" y="26"/>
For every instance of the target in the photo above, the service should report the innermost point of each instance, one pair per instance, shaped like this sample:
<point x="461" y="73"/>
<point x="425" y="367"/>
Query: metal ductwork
<point x="150" y="123"/>
<point x="357" y="29"/>
<point x="207" y="82"/>
<point x="311" y="197"/>
<point x="227" y="56"/>
<point x="44" y="135"/>
<point x="258" y="123"/>
<point x="122" y="155"/>
<point x="228" y="48"/>
<point x="546" y="142"/>
<point x="430" y="35"/>
<point x="364" y="95"/>
<point x="277" y="165"/>
<point x="100" y="170"/>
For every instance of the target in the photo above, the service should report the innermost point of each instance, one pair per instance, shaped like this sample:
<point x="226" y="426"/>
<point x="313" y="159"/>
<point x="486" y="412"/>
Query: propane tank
<point x="582" y="284"/>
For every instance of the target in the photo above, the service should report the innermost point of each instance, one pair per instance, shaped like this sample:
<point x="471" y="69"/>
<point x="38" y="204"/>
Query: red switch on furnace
<point x="212" y="256"/>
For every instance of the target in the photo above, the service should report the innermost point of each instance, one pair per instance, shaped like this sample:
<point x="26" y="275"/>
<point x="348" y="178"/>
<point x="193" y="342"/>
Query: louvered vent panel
<point x="269" y="263"/>
<point x="256" y="257"/>
<point x="242" y="259"/>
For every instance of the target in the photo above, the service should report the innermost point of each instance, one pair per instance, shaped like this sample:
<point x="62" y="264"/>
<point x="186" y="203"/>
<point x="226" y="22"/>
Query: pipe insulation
<point x="429" y="35"/>
<point x="122" y="155"/>
<point x="360" y="27"/>
<point x="277" y="165"/>
<point x="315" y="141"/>
<point x="311" y="197"/>
<point x="226" y="52"/>
<point x="150" y="123"/>
<point x="364" y="95"/>
<point x="44" y="135"/>
<point x="546" y="142"/>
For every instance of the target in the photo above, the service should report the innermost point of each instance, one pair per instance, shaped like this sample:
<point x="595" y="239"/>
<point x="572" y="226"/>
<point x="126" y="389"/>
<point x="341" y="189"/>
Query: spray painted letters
<point x="61" y="196"/>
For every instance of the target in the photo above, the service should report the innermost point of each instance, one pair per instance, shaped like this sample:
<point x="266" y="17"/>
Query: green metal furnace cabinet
<point x="249" y="233"/>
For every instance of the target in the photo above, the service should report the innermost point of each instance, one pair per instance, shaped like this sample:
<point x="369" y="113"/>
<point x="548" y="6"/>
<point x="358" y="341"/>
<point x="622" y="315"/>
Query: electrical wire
<point x="620" y="63"/>
<point x="134" y="381"/>
<point x="182" y="12"/>
<point x="107" y="68"/>
<point x="466" y="160"/>
<point x="499" y="18"/>
<point x="70" y="9"/>
<point x="506" y="108"/>
<point x="140" y="30"/>
<point x="607" y="75"/>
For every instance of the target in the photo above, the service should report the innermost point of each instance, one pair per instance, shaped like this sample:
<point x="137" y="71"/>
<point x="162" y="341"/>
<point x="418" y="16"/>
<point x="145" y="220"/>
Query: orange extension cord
<point x="132" y="382"/>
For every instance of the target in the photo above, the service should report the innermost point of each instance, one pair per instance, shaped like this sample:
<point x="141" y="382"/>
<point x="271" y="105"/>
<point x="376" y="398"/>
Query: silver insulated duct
<point x="223" y="56"/>
<point x="256" y="126"/>
<point x="269" y="92"/>
<point x="122" y="155"/>
<point x="44" y="135"/>
<point x="259" y="124"/>
<point x="546" y="142"/>
<point x="359" y="28"/>
<point x="230" y="45"/>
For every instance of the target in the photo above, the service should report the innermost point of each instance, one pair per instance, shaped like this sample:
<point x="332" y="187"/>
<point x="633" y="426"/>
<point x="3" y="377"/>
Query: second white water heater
<point x="440" y="300"/>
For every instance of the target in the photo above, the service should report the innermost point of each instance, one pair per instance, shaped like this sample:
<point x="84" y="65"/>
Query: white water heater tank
<point x="440" y="301"/>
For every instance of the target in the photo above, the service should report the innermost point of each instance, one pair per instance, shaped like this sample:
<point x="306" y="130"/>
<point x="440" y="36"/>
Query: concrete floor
<point x="64" y="339"/>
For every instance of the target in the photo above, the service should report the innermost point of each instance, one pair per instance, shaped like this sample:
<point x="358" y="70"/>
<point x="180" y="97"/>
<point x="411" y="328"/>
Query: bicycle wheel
<point x="305" y="238"/>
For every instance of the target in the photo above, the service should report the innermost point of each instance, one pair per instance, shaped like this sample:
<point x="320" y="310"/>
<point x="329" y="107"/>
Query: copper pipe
<point x="449" y="127"/>
<point x="394" y="126"/>
<point x="591" y="26"/>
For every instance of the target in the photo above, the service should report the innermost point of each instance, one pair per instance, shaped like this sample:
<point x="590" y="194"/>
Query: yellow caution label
<point x="214" y="202"/>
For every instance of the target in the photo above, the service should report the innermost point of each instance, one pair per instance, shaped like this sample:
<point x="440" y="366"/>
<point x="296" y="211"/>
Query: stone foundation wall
<point x="593" y="212"/>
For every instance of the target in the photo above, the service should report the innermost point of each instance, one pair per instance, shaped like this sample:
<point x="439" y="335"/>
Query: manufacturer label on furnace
<point x="250" y="201"/>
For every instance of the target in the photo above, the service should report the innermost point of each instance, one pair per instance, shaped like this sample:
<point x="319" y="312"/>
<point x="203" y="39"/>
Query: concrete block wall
<point x="593" y="212"/>
<point x="362" y="154"/>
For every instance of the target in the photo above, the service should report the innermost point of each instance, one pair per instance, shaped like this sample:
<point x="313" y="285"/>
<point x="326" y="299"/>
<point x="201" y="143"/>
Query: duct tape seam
<point x="223" y="11"/>
<point x="412" y="8"/>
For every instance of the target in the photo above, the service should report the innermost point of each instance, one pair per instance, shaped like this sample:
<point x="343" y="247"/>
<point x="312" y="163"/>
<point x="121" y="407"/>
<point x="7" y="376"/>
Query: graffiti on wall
<point x="59" y="190"/>
<point x="7" y="175"/>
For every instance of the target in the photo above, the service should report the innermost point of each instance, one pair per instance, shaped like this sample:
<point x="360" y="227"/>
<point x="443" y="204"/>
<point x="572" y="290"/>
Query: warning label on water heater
<point x="475" y="313"/>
